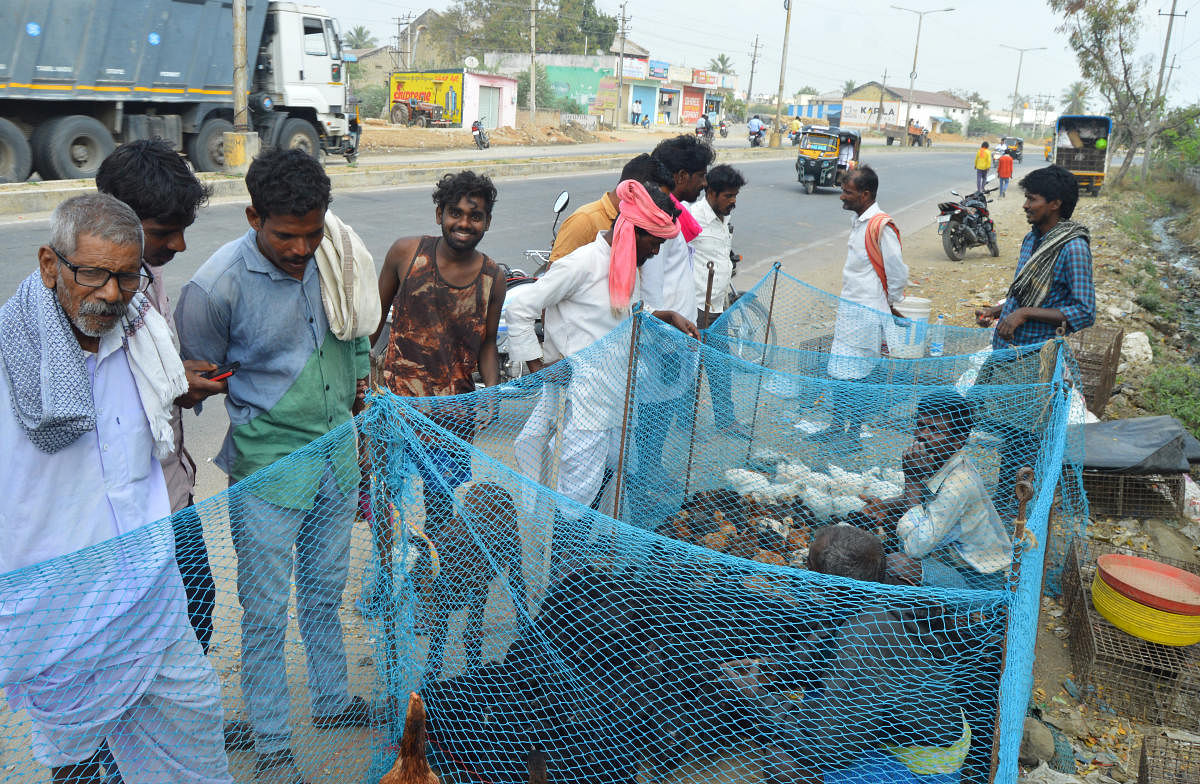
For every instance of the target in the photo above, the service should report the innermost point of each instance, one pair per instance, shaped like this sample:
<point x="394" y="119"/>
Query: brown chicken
<point x="411" y="766"/>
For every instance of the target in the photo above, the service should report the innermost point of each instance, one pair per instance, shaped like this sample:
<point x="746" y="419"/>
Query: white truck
<point x="78" y="77"/>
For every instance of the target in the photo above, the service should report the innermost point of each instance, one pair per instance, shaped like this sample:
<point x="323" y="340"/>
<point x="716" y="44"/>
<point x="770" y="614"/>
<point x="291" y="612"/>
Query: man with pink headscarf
<point x="586" y="295"/>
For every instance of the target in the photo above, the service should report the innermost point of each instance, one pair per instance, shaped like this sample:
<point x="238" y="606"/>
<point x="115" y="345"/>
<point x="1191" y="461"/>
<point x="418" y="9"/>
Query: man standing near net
<point x="714" y="245"/>
<point x="873" y="281"/>
<point x="586" y="295"/>
<point x="445" y="298"/>
<point x="668" y="283"/>
<point x="582" y="226"/>
<point x="258" y="302"/>
<point x="949" y="531"/>
<point x="96" y="646"/>
<point x="1052" y="287"/>
<point x="156" y="182"/>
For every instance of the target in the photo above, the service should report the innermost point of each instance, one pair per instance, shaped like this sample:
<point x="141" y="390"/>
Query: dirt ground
<point x="380" y="137"/>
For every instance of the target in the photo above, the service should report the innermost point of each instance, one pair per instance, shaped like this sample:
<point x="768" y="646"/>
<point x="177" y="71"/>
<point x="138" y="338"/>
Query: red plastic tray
<point x="1151" y="583"/>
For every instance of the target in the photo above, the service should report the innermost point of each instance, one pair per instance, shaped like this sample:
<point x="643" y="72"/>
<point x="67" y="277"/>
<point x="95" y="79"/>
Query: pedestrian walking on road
<point x="1004" y="171"/>
<point x="266" y="301"/>
<point x="983" y="164"/>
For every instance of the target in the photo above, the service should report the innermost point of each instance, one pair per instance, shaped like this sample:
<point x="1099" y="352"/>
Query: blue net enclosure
<point x="653" y="560"/>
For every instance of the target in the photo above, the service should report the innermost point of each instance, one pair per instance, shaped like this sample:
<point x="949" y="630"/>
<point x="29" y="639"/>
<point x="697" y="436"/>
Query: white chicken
<point x="845" y="505"/>
<point x="820" y="503"/>
<point x="747" y="482"/>
<point x="793" y="472"/>
<point x="893" y="475"/>
<point x="879" y="488"/>
<point x="846" y="483"/>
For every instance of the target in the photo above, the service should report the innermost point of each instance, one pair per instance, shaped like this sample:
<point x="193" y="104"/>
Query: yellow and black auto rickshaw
<point x="825" y="155"/>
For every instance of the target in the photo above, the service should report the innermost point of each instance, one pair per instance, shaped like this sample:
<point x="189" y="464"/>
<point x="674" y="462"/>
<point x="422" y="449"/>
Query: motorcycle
<point x="517" y="281"/>
<point x="967" y="223"/>
<point x="758" y="139"/>
<point x="481" y="138"/>
<point x="723" y="127"/>
<point x="705" y="133"/>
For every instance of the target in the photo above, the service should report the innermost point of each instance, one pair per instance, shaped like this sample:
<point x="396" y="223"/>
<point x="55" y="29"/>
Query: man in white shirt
<point x="580" y="310"/>
<point x="873" y="281"/>
<point x="712" y="254"/>
<point x="95" y="642"/>
<point x="948" y="529"/>
<point x="668" y="283"/>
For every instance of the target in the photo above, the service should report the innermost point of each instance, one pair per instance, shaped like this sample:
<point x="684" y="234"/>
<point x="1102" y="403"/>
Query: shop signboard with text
<point x="659" y="69"/>
<point x="634" y="68"/>
<point x="606" y="95"/>
<point x="444" y="88"/>
<point x="706" y="78"/>
<point x="693" y="104"/>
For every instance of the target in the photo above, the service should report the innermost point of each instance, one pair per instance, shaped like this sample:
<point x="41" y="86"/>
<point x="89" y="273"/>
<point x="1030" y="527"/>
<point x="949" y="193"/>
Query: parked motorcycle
<point x="967" y="223"/>
<point x="481" y="138"/>
<point x="517" y="281"/>
<point x="723" y="127"/>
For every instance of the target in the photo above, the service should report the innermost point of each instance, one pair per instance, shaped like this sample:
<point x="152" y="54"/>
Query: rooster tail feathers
<point x="413" y="742"/>
<point x="537" y="767"/>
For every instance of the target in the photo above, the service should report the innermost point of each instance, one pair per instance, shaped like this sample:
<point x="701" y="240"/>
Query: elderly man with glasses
<point x="95" y="642"/>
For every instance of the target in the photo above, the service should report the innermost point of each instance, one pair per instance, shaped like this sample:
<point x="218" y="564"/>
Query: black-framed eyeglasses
<point x="97" y="277"/>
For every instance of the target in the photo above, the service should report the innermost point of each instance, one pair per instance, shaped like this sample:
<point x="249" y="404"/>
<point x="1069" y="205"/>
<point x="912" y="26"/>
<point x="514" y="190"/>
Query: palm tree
<point x="848" y="86"/>
<point x="721" y="64"/>
<point x="359" y="37"/>
<point x="1075" y="98"/>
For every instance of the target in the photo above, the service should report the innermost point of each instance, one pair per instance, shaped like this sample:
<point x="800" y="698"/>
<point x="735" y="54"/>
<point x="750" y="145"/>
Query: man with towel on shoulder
<point x="95" y="643"/>
<point x="292" y="301"/>
<point x="586" y="295"/>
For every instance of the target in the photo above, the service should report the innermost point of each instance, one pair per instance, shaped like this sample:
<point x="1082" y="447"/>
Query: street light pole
<point x="912" y="75"/>
<point x="776" y="138"/>
<point x="1012" y="115"/>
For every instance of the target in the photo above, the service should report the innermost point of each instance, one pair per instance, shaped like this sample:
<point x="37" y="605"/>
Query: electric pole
<point x="401" y="23"/>
<point x="621" y="72"/>
<point x="1157" y="107"/>
<point x="882" y="90"/>
<point x="241" y="113"/>
<point x="776" y="137"/>
<point x="532" y="62"/>
<point x="912" y="75"/>
<point x="1012" y="117"/>
<point x="753" y="62"/>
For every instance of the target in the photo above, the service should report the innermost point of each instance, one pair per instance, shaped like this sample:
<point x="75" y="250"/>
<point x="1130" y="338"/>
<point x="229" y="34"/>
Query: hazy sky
<point x="837" y="40"/>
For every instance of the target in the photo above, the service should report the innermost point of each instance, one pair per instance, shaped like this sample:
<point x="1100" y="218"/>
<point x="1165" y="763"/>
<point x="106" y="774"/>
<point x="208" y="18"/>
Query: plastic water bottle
<point x="937" y="337"/>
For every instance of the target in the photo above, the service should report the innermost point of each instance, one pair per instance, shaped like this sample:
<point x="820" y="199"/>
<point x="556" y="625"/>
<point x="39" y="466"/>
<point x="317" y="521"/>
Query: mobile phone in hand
<point x="221" y="373"/>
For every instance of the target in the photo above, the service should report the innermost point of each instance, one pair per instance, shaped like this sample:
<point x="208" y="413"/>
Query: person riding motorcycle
<point x="757" y="129"/>
<point x="794" y="130"/>
<point x="704" y="126"/>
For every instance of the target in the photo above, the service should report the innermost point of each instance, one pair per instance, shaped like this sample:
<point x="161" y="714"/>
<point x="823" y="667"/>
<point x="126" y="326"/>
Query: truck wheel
<point x="16" y="157"/>
<point x="299" y="134"/>
<point x="206" y="149"/>
<point x="73" y="147"/>
<point x="400" y="114"/>
<point x="422" y="121"/>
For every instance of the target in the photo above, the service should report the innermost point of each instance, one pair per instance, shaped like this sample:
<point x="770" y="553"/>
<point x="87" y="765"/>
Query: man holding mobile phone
<point x="258" y="301"/>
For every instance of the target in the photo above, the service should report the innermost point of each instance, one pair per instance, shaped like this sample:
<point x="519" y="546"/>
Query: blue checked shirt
<point x="1071" y="292"/>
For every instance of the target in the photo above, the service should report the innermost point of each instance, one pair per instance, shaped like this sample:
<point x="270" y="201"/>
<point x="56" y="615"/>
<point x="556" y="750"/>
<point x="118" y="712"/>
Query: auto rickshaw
<point x="825" y="156"/>
<point x="1014" y="145"/>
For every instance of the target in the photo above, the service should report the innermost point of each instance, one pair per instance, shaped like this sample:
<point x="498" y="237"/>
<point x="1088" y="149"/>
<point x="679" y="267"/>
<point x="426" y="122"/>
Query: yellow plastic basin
<point x="1141" y="621"/>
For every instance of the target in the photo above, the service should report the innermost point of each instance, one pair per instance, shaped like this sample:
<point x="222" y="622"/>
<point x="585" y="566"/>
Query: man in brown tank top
<point x="444" y="297"/>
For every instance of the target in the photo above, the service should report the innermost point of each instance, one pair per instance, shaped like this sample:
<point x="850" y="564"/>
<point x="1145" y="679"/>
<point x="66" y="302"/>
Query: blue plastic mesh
<point x="601" y="570"/>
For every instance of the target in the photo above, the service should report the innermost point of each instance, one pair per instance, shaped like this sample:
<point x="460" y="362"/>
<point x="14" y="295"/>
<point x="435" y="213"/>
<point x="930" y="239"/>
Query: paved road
<point x="774" y="219"/>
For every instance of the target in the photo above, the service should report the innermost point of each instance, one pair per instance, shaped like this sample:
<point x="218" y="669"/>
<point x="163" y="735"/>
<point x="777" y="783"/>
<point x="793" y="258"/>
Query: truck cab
<point x="301" y="70"/>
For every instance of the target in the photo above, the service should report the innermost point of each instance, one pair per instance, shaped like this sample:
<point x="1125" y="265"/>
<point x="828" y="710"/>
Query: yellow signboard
<point x="444" y="88"/>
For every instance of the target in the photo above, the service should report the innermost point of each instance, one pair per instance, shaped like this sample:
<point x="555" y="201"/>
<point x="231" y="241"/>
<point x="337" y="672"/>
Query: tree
<point x="807" y="89"/>
<point x="848" y="86"/>
<point x="1075" y="98"/>
<point x="1104" y="36"/>
<point x="721" y="64"/>
<point x="472" y="27"/>
<point x="359" y="37"/>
